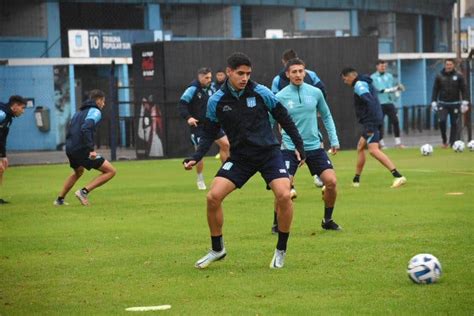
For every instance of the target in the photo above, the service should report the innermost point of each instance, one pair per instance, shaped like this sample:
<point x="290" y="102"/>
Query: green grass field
<point x="137" y="244"/>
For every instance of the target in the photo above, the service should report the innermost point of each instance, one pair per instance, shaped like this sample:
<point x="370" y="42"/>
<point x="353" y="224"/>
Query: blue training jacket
<point x="80" y="135"/>
<point x="193" y="102"/>
<point x="367" y="106"/>
<point x="6" y="116"/>
<point x="244" y="117"/>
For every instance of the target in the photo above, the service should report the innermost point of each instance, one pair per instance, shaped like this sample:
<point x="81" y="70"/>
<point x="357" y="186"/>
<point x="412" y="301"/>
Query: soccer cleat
<point x="2" y="201"/>
<point x="59" y="202"/>
<point x="356" y="184"/>
<point x="201" y="185"/>
<point x="445" y="146"/>
<point x="275" y="229"/>
<point x="293" y="194"/>
<point x="400" y="146"/>
<point x="82" y="197"/>
<point x="317" y="181"/>
<point x="211" y="256"/>
<point x="218" y="156"/>
<point x="278" y="260"/>
<point x="330" y="225"/>
<point x="398" y="182"/>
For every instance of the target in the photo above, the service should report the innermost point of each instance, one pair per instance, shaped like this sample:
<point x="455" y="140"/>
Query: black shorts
<point x="77" y="160"/>
<point x="374" y="138"/>
<point x="317" y="161"/>
<point x="239" y="171"/>
<point x="196" y="134"/>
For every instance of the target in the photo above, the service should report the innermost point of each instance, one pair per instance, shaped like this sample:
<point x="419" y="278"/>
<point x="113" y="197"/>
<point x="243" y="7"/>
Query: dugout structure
<point x="163" y="70"/>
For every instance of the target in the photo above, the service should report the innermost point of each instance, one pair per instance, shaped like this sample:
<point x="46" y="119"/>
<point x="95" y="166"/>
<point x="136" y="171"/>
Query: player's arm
<point x="362" y="89"/>
<point x="434" y="95"/>
<point x="275" y="83"/>
<point x="317" y="82"/>
<point x="88" y="127"/>
<point x="328" y="121"/>
<point x="3" y="135"/>
<point x="280" y="114"/>
<point x="183" y="105"/>
<point x="462" y="87"/>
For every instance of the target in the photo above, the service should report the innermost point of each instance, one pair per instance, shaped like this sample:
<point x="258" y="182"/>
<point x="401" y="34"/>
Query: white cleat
<point x="318" y="182"/>
<point x="278" y="260"/>
<point x="293" y="194"/>
<point x="211" y="256"/>
<point x="82" y="197"/>
<point x="398" y="182"/>
<point x="60" y="202"/>
<point x="356" y="184"/>
<point x="201" y="185"/>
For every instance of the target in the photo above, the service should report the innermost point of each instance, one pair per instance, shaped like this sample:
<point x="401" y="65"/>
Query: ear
<point x="228" y="71"/>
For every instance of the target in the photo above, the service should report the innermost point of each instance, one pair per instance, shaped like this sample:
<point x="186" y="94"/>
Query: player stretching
<point x="369" y="114"/>
<point x="80" y="149"/>
<point x="242" y="109"/>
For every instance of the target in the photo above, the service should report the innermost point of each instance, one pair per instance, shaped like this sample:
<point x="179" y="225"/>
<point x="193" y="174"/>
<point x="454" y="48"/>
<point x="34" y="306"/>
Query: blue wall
<point x="18" y="47"/>
<point x="30" y="82"/>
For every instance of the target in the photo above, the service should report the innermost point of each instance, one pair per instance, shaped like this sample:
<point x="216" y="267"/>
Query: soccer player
<point x="281" y="80"/>
<point x="220" y="79"/>
<point x="80" y="149"/>
<point x="448" y="91"/>
<point x="14" y="108"/>
<point x="369" y="114"/>
<point x="387" y="89"/>
<point x="242" y="109"/>
<point x="303" y="103"/>
<point x="192" y="107"/>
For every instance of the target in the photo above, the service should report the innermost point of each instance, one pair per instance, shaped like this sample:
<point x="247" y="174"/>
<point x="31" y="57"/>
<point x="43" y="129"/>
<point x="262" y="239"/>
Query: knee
<point x="213" y="199"/>
<point x="283" y="196"/>
<point x="331" y="183"/>
<point x="112" y="172"/>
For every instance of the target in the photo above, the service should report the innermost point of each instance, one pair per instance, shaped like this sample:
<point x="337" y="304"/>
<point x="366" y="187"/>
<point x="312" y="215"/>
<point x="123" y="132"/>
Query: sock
<point x="84" y="190"/>
<point x="395" y="173"/>
<point x="282" y="240"/>
<point x="382" y="143"/>
<point x="356" y="178"/>
<point x="200" y="177"/>
<point x="328" y="213"/>
<point x="217" y="243"/>
<point x="398" y="141"/>
<point x="275" y="218"/>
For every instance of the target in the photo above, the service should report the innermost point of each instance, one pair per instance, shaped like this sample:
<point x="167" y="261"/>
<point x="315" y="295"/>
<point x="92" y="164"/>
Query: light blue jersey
<point x="381" y="82"/>
<point x="303" y="104"/>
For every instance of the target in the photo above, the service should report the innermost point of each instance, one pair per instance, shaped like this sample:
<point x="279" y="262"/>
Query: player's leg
<point x="3" y="167"/>
<point x="385" y="111"/>
<point x="360" y="161"/>
<point x="68" y="184"/>
<point x="393" y="119"/>
<point x="107" y="172"/>
<point x="224" y="147"/>
<point x="442" y="118"/>
<point x="195" y="136"/>
<point x="453" y="120"/>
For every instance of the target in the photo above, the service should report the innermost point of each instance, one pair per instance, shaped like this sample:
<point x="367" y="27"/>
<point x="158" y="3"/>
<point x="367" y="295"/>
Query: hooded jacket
<point x="6" y="117"/>
<point x="367" y="106"/>
<point x="193" y="102"/>
<point x="80" y="136"/>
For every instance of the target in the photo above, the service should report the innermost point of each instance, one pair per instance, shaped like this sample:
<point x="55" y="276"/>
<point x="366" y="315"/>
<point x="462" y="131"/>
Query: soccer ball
<point x="458" y="146"/>
<point x="426" y="150"/>
<point x="470" y="145"/>
<point x="424" y="269"/>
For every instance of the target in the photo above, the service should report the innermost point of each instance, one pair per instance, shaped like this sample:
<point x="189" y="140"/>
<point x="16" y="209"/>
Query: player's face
<point x="381" y="67"/>
<point x="18" y="109"/>
<point x="349" y="78"/>
<point x="296" y="74"/>
<point x="100" y="102"/>
<point x="239" y="77"/>
<point x="205" y="79"/>
<point x="220" y="76"/>
<point x="448" y="66"/>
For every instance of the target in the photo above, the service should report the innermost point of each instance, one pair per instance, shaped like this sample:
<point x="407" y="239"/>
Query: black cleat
<point x="2" y="201"/>
<point x="331" y="225"/>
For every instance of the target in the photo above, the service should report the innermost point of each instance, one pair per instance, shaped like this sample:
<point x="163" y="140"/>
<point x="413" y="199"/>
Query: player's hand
<point x="92" y="155"/>
<point x="333" y="150"/>
<point x="5" y="162"/>
<point x="400" y="87"/>
<point x="464" y="106"/>
<point x="188" y="163"/>
<point x="434" y="106"/>
<point x="193" y="122"/>
<point x="298" y="156"/>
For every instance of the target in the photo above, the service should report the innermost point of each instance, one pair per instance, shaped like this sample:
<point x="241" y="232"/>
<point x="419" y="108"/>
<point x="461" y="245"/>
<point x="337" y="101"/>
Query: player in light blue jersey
<point x="304" y="102"/>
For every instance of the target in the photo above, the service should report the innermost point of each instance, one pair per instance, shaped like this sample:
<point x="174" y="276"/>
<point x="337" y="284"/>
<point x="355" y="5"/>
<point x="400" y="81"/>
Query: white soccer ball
<point x="424" y="269"/>
<point x="426" y="150"/>
<point x="458" y="146"/>
<point x="470" y="145"/>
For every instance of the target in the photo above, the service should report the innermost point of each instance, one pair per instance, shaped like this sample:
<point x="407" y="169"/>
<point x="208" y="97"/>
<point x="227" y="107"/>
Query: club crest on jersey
<point x="455" y="77"/>
<point x="251" y="102"/>
<point x="226" y="108"/>
<point x="199" y="95"/>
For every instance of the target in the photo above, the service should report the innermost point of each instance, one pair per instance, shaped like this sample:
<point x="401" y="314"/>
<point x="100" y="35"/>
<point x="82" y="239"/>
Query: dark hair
<point x="294" y="61"/>
<point x="16" y="99"/>
<point x="204" y="71"/>
<point x="347" y="70"/>
<point x="380" y="61"/>
<point x="289" y="54"/>
<point x="450" y="59"/>
<point x="237" y="59"/>
<point x="96" y="94"/>
<point x="220" y="70"/>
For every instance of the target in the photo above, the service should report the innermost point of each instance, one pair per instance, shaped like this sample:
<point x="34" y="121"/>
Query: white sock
<point x="200" y="177"/>
<point x="382" y="143"/>
<point x="398" y="141"/>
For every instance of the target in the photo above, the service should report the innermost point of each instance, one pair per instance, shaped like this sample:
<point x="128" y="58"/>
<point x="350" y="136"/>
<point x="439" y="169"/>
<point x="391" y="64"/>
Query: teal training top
<point x="303" y="104"/>
<point x="381" y="82"/>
